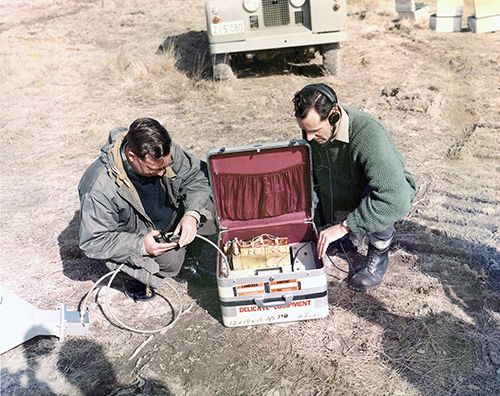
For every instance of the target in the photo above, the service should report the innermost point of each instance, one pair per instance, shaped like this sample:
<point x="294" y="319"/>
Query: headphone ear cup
<point x="333" y="118"/>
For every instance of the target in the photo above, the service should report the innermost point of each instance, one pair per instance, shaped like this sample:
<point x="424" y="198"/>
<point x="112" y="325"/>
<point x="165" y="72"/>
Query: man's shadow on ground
<point x="25" y="381"/>
<point x="202" y="284"/>
<point x="191" y="50"/>
<point x="84" y="365"/>
<point x="76" y="265"/>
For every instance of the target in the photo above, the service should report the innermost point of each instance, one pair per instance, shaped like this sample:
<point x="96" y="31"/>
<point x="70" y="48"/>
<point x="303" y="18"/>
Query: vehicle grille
<point x="299" y="17"/>
<point x="254" y="22"/>
<point x="275" y="12"/>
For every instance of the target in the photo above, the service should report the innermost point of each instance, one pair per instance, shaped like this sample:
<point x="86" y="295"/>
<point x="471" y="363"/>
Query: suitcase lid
<point x="262" y="184"/>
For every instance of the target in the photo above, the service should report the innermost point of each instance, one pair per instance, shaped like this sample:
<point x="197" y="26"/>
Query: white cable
<point x="113" y="274"/>
<point x="222" y="254"/>
<point x="85" y="309"/>
<point x="127" y="327"/>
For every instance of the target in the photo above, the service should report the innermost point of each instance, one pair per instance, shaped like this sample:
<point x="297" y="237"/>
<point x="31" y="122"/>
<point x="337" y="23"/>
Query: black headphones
<point x="326" y="91"/>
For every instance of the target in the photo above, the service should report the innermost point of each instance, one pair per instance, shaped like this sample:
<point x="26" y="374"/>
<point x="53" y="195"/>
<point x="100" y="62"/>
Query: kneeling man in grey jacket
<point x="142" y="183"/>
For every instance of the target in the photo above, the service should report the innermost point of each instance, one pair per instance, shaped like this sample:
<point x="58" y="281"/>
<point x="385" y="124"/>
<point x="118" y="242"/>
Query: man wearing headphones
<point x="361" y="181"/>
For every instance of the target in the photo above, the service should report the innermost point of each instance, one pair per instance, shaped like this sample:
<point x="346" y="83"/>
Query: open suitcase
<point x="263" y="197"/>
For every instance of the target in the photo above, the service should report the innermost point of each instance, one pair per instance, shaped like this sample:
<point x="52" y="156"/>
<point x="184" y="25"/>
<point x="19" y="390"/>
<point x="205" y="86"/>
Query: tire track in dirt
<point x="38" y="13"/>
<point x="461" y="199"/>
<point x="454" y="225"/>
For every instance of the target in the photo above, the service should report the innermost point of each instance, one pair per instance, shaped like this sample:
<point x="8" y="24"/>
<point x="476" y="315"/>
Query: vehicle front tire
<point x="222" y="68"/>
<point x="331" y="58"/>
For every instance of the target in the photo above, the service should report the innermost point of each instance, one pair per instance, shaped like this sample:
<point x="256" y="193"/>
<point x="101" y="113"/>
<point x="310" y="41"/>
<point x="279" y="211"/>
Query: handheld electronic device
<point x="164" y="238"/>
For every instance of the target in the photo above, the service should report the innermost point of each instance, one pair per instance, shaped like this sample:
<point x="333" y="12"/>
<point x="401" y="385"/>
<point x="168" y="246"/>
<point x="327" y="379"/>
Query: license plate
<point x="233" y="27"/>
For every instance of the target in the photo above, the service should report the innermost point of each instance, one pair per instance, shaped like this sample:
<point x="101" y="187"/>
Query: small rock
<point x="45" y="344"/>
<point x="390" y="91"/>
<point x="333" y="345"/>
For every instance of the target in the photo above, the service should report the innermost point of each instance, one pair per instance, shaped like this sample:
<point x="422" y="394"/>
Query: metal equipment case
<point x="267" y="190"/>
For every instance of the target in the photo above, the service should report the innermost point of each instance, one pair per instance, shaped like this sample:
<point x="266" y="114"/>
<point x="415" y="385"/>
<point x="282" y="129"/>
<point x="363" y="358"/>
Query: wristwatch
<point x="344" y="224"/>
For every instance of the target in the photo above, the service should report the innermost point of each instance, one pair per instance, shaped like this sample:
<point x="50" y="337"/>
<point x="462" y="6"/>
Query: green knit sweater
<point x="366" y="176"/>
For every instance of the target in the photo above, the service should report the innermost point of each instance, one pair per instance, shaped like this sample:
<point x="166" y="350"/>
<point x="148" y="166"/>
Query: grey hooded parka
<point x="113" y="221"/>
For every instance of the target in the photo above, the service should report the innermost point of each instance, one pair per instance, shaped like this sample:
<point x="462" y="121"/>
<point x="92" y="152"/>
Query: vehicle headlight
<point x="251" y="5"/>
<point x="297" y="3"/>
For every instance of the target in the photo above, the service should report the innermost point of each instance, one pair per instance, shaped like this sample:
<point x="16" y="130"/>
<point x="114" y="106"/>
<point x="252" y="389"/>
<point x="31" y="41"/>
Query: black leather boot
<point x="372" y="272"/>
<point x="138" y="291"/>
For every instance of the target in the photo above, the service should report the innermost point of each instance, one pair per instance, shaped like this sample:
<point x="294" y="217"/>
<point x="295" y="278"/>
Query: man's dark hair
<point x="147" y="136"/>
<point x="318" y="96"/>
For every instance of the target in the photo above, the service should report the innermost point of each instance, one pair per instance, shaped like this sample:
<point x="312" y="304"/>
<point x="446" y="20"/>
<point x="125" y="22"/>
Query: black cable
<point x="294" y="257"/>
<point x="336" y="266"/>
<point x="351" y="267"/>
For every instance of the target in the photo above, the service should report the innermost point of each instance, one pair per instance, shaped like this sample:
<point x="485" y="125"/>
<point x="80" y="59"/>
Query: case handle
<point x="286" y="300"/>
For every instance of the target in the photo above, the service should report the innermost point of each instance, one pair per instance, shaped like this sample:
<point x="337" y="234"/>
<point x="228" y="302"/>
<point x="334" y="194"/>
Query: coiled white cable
<point x="123" y="325"/>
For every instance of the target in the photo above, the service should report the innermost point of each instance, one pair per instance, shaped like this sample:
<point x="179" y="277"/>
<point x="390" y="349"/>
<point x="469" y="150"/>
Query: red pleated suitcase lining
<point x="261" y="195"/>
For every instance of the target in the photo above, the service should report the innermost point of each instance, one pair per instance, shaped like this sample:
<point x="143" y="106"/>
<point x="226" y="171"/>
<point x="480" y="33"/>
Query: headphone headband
<point x="324" y="89"/>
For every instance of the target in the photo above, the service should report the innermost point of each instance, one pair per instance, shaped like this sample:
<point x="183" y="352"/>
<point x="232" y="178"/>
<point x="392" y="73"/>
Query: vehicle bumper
<point x="277" y="41"/>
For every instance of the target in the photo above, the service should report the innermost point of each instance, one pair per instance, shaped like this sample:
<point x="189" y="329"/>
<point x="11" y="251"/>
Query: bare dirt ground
<point x="71" y="70"/>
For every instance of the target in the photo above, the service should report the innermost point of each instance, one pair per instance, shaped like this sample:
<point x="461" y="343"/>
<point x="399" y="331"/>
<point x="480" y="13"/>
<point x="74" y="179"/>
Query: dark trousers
<point x="170" y="262"/>
<point x="380" y="239"/>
